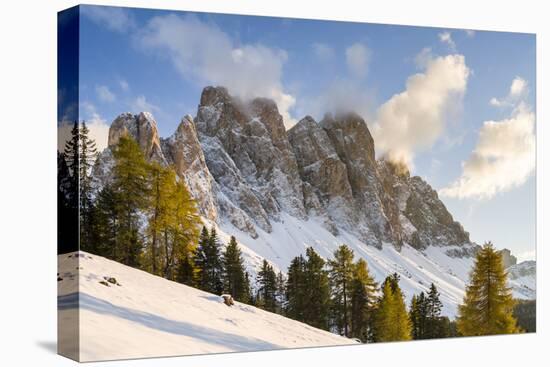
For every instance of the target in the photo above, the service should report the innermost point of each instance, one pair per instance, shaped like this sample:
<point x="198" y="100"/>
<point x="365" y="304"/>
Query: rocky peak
<point x="183" y="151"/>
<point x="434" y="224"/>
<point x="219" y="113"/>
<point x="317" y="160"/>
<point x="243" y="167"/>
<point x="349" y="130"/>
<point x="246" y="145"/>
<point x="266" y="111"/>
<point x="507" y="258"/>
<point x="143" y="128"/>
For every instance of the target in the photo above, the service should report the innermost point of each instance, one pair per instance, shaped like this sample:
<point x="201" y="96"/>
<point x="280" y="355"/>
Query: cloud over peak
<point x="415" y="118"/>
<point x="203" y="53"/>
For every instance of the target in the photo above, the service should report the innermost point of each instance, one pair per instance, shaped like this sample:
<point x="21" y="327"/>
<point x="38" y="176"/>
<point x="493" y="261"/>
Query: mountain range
<point x="317" y="184"/>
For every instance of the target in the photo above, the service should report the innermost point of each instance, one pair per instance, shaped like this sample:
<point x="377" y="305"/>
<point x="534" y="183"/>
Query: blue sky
<point x="456" y="106"/>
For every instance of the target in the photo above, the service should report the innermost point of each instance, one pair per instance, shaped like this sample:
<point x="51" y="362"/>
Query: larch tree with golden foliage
<point x="488" y="304"/>
<point x="392" y="321"/>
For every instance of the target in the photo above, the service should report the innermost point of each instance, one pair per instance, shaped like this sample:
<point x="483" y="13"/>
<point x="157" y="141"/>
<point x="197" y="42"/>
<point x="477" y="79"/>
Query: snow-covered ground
<point x="148" y="316"/>
<point x="418" y="269"/>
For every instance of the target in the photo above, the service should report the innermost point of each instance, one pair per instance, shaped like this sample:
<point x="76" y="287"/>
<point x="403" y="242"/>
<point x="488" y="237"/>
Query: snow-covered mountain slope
<point x="148" y="316"/>
<point x="417" y="268"/>
<point x="522" y="278"/>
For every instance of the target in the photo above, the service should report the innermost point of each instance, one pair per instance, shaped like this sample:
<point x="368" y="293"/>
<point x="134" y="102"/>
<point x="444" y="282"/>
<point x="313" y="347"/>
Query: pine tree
<point x="316" y="290"/>
<point x="435" y="327"/>
<point x="107" y="209"/>
<point x="72" y="158"/>
<point x="295" y="289"/>
<point x="418" y="316"/>
<point x="392" y="321"/>
<point x="88" y="154"/>
<point x="363" y="300"/>
<point x="488" y="305"/>
<point x="280" y="293"/>
<point x="131" y="191"/>
<point x="341" y="275"/>
<point x="414" y="316"/>
<point x="80" y="153"/>
<point x="208" y="262"/>
<point x="267" y="288"/>
<point x="234" y="276"/>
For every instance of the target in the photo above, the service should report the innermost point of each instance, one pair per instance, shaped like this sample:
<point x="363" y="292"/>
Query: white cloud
<point x="504" y="157"/>
<point x="341" y="95"/>
<point x="423" y="58"/>
<point x="518" y="90"/>
<point x="114" y="18"/>
<point x="414" y="119"/>
<point x="357" y="59"/>
<point x="518" y="87"/>
<point x="470" y="33"/>
<point x="445" y="37"/>
<point x="323" y="51"/>
<point x="99" y="129"/>
<point x="203" y="53"/>
<point x="140" y="104"/>
<point x="104" y="93"/>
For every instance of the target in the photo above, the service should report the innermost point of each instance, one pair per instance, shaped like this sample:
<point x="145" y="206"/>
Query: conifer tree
<point x="158" y="212"/>
<point x="72" y="158"/>
<point x="208" y="262"/>
<point x="295" y="289"/>
<point x="80" y="153"/>
<point x="341" y="275"/>
<point x="181" y="228"/>
<point x="392" y="320"/>
<point x="418" y="316"/>
<point x="488" y="305"/>
<point x="280" y="294"/>
<point x="131" y="191"/>
<point x="316" y="290"/>
<point x="267" y="288"/>
<point x="234" y="275"/>
<point x="363" y="300"/>
<point x="435" y="325"/>
<point x="87" y="156"/>
<point x="107" y="209"/>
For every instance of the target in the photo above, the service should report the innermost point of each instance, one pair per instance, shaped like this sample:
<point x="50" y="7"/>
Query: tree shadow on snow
<point x="209" y="335"/>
